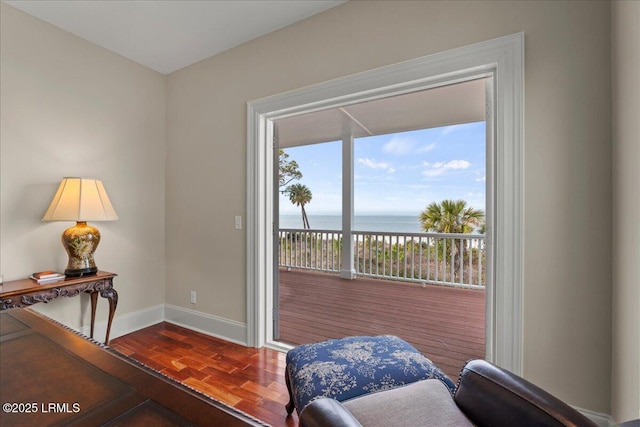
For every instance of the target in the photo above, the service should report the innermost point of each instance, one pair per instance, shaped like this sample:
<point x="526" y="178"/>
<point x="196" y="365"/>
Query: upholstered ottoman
<point x="349" y="367"/>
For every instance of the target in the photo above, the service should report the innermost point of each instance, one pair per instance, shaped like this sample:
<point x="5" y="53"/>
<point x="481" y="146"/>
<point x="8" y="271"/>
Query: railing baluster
<point x="391" y="257"/>
<point x="329" y="253"/>
<point x="310" y="261"/>
<point x="438" y="256"/>
<point x="480" y="272"/>
<point x="420" y="257"/>
<point x="397" y="256"/>
<point x="404" y="252"/>
<point x="381" y="247"/>
<point x="461" y="258"/>
<point x="325" y="263"/>
<point x="413" y="259"/>
<point x="377" y="249"/>
<point x="336" y="247"/>
<point x="475" y="244"/>
<point x="312" y="242"/>
<point x="340" y="253"/>
<point x="289" y="251"/>
<point x="370" y="238"/>
<point x="333" y="251"/>
<point x="469" y="256"/>
<point x="321" y="250"/>
<point x="428" y="276"/>
<point x="299" y="249"/>
<point x="390" y="254"/>
<point x="452" y="262"/>
<point x="357" y="252"/>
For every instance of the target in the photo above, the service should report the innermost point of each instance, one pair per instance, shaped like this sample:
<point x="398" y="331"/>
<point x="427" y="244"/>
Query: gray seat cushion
<point x="423" y="403"/>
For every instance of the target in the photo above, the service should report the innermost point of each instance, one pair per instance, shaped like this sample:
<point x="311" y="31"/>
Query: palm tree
<point x="300" y="195"/>
<point x="451" y="216"/>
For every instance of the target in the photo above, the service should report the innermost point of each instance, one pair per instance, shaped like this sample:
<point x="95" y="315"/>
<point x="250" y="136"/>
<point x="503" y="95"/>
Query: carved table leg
<point x="94" y="302"/>
<point x="112" y="296"/>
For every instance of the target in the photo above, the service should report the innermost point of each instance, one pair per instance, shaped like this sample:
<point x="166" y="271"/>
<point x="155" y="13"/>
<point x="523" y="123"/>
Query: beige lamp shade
<point x="80" y="199"/>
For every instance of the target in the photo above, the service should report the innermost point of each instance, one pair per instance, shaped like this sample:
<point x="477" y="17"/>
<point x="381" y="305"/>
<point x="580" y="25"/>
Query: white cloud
<point x="399" y="146"/>
<point x="374" y="164"/>
<point x="457" y="164"/>
<point x="439" y="168"/>
<point x="483" y="179"/>
<point x="426" y="148"/>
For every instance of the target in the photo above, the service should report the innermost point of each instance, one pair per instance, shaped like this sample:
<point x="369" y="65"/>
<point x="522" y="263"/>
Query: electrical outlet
<point x="238" y="222"/>
<point x="193" y="297"/>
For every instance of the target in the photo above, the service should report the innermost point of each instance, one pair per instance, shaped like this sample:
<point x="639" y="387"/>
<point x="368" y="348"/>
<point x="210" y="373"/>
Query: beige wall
<point x="567" y="291"/>
<point x="625" y="395"/>
<point x="70" y="108"/>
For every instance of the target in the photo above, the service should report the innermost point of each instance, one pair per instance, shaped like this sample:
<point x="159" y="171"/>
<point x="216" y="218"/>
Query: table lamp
<point x="80" y="200"/>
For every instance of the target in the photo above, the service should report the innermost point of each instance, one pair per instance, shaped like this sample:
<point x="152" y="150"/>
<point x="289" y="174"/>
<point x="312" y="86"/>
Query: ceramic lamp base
<point x="80" y="242"/>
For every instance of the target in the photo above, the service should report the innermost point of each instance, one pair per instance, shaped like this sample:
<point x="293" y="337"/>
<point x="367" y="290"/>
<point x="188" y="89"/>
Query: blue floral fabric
<point x="350" y="367"/>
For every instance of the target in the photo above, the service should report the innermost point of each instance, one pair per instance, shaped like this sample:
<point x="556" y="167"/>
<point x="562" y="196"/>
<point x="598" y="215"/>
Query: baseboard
<point x="601" y="420"/>
<point x="127" y="323"/>
<point x="228" y="330"/>
<point x="218" y="327"/>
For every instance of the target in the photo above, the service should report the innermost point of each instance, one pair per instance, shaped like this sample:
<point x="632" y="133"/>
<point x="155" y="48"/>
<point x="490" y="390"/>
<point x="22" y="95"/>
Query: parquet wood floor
<point x="249" y="379"/>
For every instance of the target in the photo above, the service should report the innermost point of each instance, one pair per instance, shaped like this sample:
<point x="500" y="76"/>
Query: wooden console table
<point x="26" y="292"/>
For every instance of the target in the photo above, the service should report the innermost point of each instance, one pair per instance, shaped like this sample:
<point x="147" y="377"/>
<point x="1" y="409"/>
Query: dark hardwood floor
<point x="248" y="379"/>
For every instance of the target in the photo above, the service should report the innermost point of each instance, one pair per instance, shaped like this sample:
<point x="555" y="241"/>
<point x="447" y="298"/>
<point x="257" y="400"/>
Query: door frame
<point x="503" y="60"/>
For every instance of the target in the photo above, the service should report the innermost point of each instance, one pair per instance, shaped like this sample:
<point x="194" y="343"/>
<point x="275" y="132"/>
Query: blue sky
<point x="397" y="173"/>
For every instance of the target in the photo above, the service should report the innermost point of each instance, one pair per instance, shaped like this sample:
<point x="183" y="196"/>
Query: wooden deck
<point x="445" y="324"/>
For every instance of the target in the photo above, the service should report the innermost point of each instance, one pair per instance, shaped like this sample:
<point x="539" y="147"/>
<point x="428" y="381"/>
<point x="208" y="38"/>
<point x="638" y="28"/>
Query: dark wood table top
<point x="54" y="376"/>
<point x="22" y="286"/>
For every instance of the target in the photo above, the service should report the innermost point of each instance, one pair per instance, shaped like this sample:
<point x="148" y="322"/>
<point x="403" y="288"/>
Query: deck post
<point x="347" y="271"/>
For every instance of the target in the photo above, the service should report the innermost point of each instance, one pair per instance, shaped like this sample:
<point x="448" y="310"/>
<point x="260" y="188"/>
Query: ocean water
<point x="393" y="223"/>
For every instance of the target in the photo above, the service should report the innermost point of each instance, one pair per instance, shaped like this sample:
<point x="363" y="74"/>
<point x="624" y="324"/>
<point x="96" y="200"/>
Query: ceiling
<point x="167" y="35"/>
<point x="442" y="106"/>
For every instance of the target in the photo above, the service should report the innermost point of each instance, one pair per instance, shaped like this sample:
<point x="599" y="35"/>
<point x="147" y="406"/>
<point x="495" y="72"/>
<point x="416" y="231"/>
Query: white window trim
<point x="503" y="58"/>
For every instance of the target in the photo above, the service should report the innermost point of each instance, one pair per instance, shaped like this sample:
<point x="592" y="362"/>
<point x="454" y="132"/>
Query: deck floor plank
<point x="446" y="324"/>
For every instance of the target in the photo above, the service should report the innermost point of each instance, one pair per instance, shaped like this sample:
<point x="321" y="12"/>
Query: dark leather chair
<point x="486" y="395"/>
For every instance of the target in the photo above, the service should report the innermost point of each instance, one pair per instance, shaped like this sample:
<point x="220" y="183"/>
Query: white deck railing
<point x="445" y="259"/>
